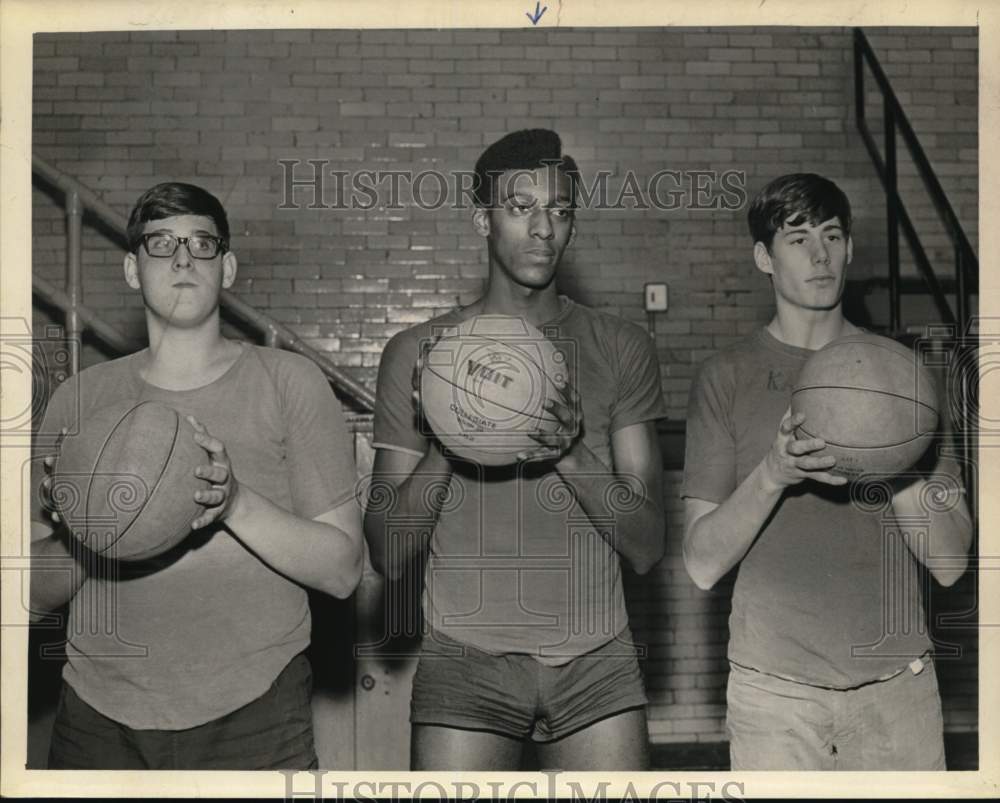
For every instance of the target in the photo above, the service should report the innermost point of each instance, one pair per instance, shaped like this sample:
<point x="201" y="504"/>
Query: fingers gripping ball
<point x="484" y="386"/>
<point x="872" y="402"/>
<point x="125" y="484"/>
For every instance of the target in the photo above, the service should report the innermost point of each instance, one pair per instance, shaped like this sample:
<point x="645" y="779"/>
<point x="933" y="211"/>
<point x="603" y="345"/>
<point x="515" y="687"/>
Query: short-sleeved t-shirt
<point x="828" y="594"/>
<point x="171" y="645"/>
<point x="515" y="564"/>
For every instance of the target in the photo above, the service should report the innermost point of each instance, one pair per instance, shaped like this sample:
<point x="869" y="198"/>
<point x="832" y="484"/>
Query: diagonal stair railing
<point x="78" y="200"/>
<point x="964" y="355"/>
<point x="966" y="263"/>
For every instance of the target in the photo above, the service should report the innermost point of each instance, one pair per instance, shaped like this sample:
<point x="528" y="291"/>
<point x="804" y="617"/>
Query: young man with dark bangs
<point x="816" y="682"/>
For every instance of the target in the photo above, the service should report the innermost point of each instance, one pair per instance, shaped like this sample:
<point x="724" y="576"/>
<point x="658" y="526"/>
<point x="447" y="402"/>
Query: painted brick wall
<point x="121" y="111"/>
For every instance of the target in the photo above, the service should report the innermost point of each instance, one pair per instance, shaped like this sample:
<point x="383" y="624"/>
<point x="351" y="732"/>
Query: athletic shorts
<point x="459" y="686"/>
<point x="272" y="732"/>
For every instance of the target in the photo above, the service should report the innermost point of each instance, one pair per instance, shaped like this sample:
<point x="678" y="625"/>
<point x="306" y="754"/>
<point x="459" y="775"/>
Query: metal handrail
<point x="966" y="261"/>
<point x="104" y="331"/>
<point x="80" y="199"/>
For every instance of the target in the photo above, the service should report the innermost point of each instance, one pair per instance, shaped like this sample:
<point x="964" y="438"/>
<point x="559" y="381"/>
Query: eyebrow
<point x="561" y="199"/>
<point x="205" y="232"/>
<point x="828" y="227"/>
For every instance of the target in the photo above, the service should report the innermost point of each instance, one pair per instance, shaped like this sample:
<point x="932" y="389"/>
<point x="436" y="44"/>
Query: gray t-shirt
<point x="829" y="593"/>
<point x="174" y="643"/>
<point x="515" y="564"/>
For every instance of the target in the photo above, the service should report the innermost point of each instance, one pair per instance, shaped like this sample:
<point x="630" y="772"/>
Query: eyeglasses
<point x="200" y="246"/>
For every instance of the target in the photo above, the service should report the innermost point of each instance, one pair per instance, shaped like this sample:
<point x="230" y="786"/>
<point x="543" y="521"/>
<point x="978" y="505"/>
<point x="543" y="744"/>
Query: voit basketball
<point x="484" y="385"/>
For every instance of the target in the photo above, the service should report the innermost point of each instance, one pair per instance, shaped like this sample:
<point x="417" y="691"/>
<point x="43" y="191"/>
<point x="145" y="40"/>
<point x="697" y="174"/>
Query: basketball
<point x="125" y="484"/>
<point x="871" y="401"/>
<point x="484" y="385"/>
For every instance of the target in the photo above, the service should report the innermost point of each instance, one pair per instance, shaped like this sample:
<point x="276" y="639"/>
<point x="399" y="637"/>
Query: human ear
<point x="481" y="222"/>
<point x="229" y="266"/>
<point x="130" y="266"/>
<point x="762" y="258"/>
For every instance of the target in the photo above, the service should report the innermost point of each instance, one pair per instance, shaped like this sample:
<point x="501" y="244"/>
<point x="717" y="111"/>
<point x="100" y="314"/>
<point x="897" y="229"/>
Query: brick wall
<point x="935" y="77"/>
<point x="121" y="111"/>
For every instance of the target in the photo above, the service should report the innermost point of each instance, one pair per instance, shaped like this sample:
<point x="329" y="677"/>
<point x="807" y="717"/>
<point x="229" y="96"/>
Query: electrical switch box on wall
<point x="656" y="297"/>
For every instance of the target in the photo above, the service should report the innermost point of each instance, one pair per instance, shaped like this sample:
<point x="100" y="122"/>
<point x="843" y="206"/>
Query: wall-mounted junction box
<point x="656" y="297"/>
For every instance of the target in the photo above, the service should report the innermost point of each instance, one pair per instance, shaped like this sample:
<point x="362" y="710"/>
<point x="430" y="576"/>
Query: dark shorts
<point x="458" y="686"/>
<point x="272" y="732"/>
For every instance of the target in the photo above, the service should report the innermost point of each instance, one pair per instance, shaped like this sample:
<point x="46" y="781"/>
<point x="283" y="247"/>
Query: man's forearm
<point x="636" y="511"/>
<point x="56" y="575"/>
<point x="314" y="553"/>
<point x="718" y="540"/>
<point x="949" y="526"/>
<point x="401" y="516"/>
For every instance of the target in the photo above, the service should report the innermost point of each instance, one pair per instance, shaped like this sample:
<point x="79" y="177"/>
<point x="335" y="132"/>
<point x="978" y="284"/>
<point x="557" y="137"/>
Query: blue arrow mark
<point x="537" y="15"/>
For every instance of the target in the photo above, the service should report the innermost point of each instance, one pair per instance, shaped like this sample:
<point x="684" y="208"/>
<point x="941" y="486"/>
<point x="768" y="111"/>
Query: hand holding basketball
<point x="49" y="462"/>
<point x="418" y="368"/>
<point x="554" y="445"/>
<point x="220" y="498"/>
<point x="484" y="385"/>
<point x="872" y="400"/>
<point x="791" y="460"/>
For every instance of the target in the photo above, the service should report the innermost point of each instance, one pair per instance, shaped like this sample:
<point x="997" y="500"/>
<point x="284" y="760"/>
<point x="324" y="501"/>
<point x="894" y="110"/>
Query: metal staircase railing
<point x="78" y="200"/>
<point x="895" y="120"/>
<point x="966" y="263"/>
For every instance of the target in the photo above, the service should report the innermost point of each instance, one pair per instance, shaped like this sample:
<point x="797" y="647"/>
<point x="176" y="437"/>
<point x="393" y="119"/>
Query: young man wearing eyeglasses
<point x="202" y="665"/>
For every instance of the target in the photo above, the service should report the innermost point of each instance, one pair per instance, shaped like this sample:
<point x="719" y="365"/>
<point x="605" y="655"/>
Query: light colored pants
<point x="893" y="724"/>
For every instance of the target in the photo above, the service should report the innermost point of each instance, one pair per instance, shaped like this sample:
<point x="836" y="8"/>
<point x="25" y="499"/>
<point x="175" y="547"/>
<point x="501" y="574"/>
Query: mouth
<point x="824" y="279"/>
<point x="184" y="284"/>
<point x="541" y="253"/>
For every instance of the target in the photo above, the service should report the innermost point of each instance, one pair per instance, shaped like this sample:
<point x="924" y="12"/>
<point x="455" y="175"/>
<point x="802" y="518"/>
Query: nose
<point x="541" y="226"/>
<point x="182" y="257"/>
<point x="821" y="254"/>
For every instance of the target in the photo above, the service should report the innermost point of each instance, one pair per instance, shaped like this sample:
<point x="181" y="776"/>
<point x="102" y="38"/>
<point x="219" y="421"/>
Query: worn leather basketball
<point x="872" y="402"/>
<point x="125" y="484"/>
